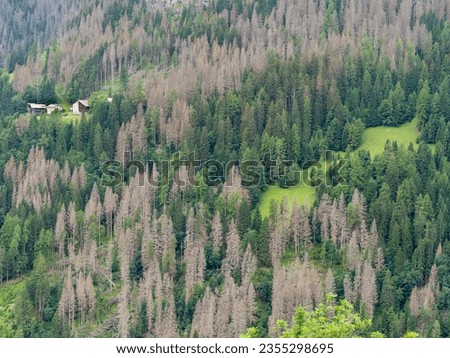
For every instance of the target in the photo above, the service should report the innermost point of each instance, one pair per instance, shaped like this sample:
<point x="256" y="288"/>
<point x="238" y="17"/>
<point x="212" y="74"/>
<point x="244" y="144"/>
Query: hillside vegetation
<point x="373" y="140"/>
<point x="8" y="297"/>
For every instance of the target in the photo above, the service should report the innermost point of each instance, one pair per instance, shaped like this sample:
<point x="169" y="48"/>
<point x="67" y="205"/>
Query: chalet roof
<point x="37" y="106"/>
<point x="84" y="102"/>
<point x="54" y="106"/>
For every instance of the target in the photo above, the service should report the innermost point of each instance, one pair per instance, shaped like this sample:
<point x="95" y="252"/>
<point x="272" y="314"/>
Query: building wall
<point x="76" y="108"/>
<point x="36" y="111"/>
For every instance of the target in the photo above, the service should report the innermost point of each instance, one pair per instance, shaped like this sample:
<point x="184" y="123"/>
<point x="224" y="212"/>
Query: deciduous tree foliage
<point x="328" y="320"/>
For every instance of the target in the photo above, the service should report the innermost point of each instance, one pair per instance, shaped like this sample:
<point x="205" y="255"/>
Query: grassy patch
<point x="69" y="117"/>
<point x="305" y="195"/>
<point x="8" y="294"/>
<point x="374" y="139"/>
<point x="64" y="117"/>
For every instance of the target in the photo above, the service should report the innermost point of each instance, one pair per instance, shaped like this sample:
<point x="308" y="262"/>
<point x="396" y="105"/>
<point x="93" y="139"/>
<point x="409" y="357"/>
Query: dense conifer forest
<point x="242" y="163"/>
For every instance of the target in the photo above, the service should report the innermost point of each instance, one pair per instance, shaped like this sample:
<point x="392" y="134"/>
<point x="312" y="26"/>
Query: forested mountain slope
<point x="156" y="243"/>
<point x="29" y="26"/>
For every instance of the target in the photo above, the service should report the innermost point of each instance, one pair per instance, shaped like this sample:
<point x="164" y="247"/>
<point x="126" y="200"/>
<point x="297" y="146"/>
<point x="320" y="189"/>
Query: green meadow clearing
<point x="373" y="140"/>
<point x="304" y="195"/>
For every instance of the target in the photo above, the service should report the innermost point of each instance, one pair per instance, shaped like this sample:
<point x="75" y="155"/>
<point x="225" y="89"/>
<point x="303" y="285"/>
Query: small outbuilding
<point x="37" y="109"/>
<point x="81" y="106"/>
<point x="53" y="107"/>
